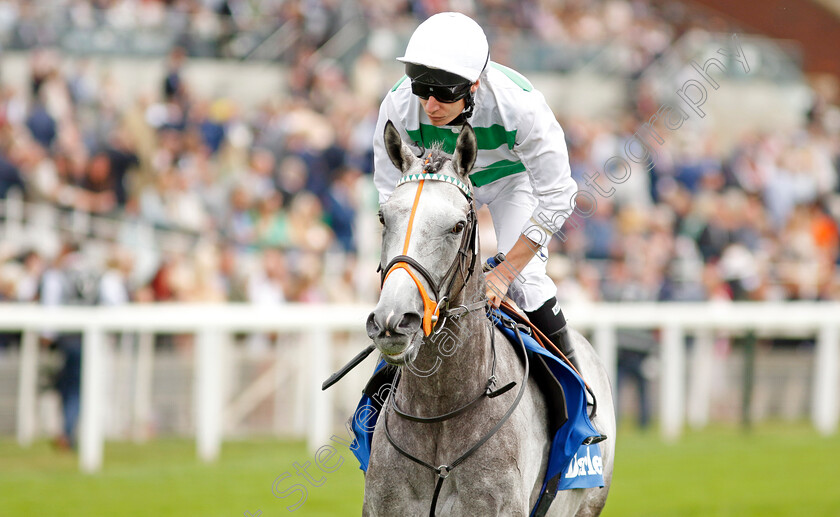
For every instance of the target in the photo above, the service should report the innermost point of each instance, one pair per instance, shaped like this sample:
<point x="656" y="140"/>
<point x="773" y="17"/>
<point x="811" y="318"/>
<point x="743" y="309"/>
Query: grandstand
<point x="219" y="151"/>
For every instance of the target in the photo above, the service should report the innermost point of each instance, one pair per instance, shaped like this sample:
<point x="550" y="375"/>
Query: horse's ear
<point x="399" y="153"/>
<point x="465" y="151"/>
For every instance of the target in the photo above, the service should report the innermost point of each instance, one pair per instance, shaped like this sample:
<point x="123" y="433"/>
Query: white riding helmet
<point x="452" y="42"/>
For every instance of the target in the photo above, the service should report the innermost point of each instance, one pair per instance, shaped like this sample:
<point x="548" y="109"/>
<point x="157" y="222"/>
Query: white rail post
<point x="672" y="382"/>
<point x="320" y="424"/>
<point x="607" y="347"/>
<point x="27" y="388"/>
<point x="208" y="393"/>
<point x="302" y="356"/>
<point x="826" y="378"/>
<point x="91" y="425"/>
<point x="700" y="380"/>
<point x="123" y="371"/>
<point x="141" y="420"/>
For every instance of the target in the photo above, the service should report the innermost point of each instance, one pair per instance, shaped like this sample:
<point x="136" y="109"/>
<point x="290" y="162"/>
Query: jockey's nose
<point x="379" y="324"/>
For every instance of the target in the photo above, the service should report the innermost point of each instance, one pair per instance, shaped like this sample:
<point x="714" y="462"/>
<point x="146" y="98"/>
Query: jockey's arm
<point x="541" y="146"/>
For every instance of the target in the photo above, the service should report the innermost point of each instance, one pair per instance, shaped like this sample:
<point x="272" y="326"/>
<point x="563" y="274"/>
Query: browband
<point x="437" y="177"/>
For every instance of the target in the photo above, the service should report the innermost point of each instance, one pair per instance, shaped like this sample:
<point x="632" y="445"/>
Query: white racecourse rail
<point x="212" y="324"/>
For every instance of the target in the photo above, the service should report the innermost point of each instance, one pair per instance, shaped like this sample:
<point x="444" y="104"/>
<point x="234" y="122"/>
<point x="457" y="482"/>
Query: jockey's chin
<point x="399" y="350"/>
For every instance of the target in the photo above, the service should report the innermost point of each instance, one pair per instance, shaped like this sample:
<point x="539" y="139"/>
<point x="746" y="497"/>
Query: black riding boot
<point x="550" y="320"/>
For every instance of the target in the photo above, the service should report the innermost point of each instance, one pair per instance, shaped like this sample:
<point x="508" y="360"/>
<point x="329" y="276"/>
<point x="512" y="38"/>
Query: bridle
<point x="433" y="310"/>
<point x="436" y="308"/>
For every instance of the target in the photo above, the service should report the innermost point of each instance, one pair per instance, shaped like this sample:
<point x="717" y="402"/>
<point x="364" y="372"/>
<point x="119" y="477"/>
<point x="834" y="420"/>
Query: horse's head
<point x="428" y="244"/>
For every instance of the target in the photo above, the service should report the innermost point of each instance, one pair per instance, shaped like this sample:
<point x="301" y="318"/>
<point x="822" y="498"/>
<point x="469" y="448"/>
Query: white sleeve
<point x="385" y="174"/>
<point x="541" y="146"/>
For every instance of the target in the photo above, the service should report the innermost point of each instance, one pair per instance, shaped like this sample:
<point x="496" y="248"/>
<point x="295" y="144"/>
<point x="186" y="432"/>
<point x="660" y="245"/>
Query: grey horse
<point x="445" y="360"/>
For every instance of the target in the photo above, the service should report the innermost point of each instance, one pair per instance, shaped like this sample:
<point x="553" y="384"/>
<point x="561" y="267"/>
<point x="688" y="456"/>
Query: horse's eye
<point x="458" y="228"/>
<point x="381" y="218"/>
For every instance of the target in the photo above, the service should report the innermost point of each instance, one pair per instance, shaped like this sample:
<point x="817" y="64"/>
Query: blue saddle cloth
<point x="578" y="465"/>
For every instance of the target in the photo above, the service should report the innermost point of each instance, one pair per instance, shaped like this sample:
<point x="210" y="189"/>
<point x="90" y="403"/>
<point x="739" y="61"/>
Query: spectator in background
<point x="68" y="282"/>
<point x="271" y="226"/>
<point x="122" y="159"/>
<point x="341" y="206"/>
<point x="230" y="276"/>
<point x="10" y="177"/>
<point x="28" y="281"/>
<point x="600" y="232"/>
<point x="41" y="124"/>
<point x="267" y="285"/>
<point x="309" y="233"/>
<point x="209" y="119"/>
<point x="9" y="274"/>
<point x="98" y="188"/>
<point x="174" y="88"/>
<point x="238" y="226"/>
<point x="259" y="177"/>
<point x="624" y="283"/>
<point x="114" y="286"/>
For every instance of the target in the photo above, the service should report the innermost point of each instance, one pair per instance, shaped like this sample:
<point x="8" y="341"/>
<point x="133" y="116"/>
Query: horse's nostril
<point x="371" y="326"/>
<point x="409" y="323"/>
<point x="393" y="325"/>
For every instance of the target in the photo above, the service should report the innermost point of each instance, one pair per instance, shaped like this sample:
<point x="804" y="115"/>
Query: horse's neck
<point x="453" y="366"/>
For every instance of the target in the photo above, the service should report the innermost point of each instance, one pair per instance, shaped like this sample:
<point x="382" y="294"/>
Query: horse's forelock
<point x="435" y="159"/>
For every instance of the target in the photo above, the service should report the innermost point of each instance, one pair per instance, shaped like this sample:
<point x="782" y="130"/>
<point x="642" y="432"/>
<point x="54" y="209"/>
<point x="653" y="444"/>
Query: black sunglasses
<point x="445" y="93"/>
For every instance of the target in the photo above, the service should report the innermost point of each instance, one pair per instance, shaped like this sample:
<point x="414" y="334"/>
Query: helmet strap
<point x="461" y="119"/>
<point x="469" y="104"/>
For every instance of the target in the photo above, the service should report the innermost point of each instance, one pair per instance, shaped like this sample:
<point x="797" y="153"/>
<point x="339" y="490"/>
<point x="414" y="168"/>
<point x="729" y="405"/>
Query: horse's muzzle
<point x="392" y="331"/>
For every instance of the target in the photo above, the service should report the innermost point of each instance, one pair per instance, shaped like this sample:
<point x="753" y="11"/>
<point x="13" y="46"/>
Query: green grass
<point x="779" y="470"/>
<point x="164" y="478"/>
<point x="776" y="470"/>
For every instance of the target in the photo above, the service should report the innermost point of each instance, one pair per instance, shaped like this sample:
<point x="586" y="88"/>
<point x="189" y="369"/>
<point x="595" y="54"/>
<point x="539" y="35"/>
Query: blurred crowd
<point x="758" y="222"/>
<point x="268" y="198"/>
<point x="572" y="30"/>
<point x="272" y="198"/>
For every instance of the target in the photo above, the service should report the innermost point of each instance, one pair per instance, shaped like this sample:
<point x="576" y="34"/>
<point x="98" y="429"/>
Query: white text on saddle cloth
<point x="589" y="465"/>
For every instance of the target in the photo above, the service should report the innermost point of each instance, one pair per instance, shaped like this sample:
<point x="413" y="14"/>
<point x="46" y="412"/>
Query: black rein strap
<point x="488" y="392"/>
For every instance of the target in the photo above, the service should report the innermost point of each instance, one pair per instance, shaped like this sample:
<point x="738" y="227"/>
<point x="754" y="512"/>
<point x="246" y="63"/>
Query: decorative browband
<point x="437" y="177"/>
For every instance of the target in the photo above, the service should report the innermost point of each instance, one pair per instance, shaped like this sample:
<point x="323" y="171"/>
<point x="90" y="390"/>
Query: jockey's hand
<point x="500" y="277"/>
<point x="497" y="284"/>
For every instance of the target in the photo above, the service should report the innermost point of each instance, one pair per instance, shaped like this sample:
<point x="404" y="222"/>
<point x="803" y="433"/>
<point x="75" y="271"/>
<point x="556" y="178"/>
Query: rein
<point x="443" y="471"/>
<point x="488" y="392"/>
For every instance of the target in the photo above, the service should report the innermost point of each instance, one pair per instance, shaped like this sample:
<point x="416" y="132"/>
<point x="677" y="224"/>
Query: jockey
<point x="522" y="169"/>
